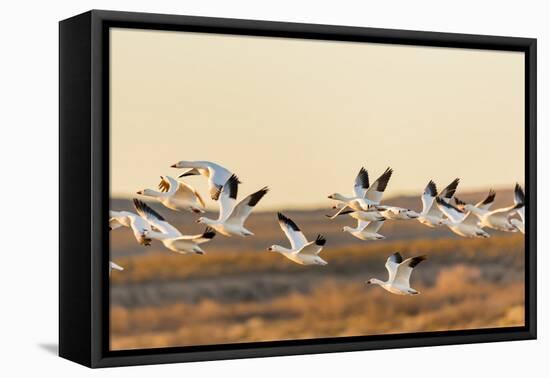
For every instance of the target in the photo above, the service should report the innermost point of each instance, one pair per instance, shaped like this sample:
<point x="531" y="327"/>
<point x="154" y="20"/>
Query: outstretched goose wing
<point x="244" y="208"/>
<point x="228" y="198"/>
<point x="292" y="232"/>
<point x="391" y="265"/>
<point x="314" y="247"/>
<point x="376" y="191"/>
<point x="519" y="198"/>
<point x="404" y="270"/>
<point x="487" y="202"/>
<point x="361" y="183"/>
<point x="154" y="218"/>
<point x="449" y="191"/>
<point x="453" y="213"/>
<point x="428" y="197"/>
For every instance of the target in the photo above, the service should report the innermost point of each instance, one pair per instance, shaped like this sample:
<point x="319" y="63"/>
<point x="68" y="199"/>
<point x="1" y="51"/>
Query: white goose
<point x="169" y="235"/>
<point x="397" y="213"/>
<point x="466" y="225"/>
<point x="364" y="195"/>
<point x="301" y="252"/>
<point x="216" y="174"/>
<point x="519" y="197"/>
<point x="399" y="274"/>
<point x="431" y="216"/>
<point x="366" y="230"/>
<point x="498" y="219"/>
<point x="176" y="195"/>
<point x="232" y="214"/>
<point x="114" y="266"/>
<point x="139" y="226"/>
<point x="367" y="216"/>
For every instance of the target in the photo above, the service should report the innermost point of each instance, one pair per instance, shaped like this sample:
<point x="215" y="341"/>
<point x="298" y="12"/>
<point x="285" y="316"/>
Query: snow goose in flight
<point x="365" y="195"/>
<point x="169" y="235"/>
<point x="176" y="195"/>
<point x="114" y="266"/>
<point x="399" y="274"/>
<point x="431" y="215"/>
<point x="216" y="174"/>
<point x="397" y="213"/>
<point x="232" y="214"/>
<point x="139" y="226"/>
<point x="367" y="216"/>
<point x="519" y="197"/>
<point x="463" y="224"/>
<point x="301" y="252"/>
<point x="498" y="219"/>
<point x="366" y="230"/>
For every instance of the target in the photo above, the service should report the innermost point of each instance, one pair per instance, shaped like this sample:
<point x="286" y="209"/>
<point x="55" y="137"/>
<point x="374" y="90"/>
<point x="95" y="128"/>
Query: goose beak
<point x="140" y="192"/>
<point x="269" y="249"/>
<point x="197" y="221"/>
<point x="174" y="165"/>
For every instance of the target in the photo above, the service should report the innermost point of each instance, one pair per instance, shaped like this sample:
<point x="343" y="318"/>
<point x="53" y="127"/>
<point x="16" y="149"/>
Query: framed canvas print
<point x="234" y="188"/>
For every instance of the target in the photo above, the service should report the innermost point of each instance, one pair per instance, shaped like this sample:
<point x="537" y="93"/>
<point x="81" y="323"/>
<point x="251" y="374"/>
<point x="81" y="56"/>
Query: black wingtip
<point x="320" y="241"/>
<point x="396" y="257"/>
<point x="490" y="197"/>
<point x="289" y="222"/>
<point x="459" y="202"/>
<point x="431" y="188"/>
<point x="384" y="179"/>
<point x="256" y="197"/>
<point x="417" y="260"/>
<point x="209" y="233"/>
<point x="142" y="207"/>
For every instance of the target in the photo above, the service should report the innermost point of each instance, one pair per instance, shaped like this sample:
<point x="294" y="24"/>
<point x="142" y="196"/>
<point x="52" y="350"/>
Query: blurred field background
<point x="239" y="292"/>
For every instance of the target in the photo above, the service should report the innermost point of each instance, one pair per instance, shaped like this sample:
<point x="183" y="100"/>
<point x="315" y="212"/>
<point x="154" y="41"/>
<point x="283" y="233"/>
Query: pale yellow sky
<point x="302" y="116"/>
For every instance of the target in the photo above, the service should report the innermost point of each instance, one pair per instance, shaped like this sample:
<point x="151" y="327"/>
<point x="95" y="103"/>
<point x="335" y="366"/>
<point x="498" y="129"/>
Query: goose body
<point x="399" y="274"/>
<point x="169" y="236"/>
<point x="233" y="215"/>
<point x="431" y="215"/>
<point x="176" y="195"/>
<point x="139" y="226"/>
<point x="216" y="174"/>
<point x="366" y="230"/>
<point x="462" y="224"/>
<point x="301" y="252"/>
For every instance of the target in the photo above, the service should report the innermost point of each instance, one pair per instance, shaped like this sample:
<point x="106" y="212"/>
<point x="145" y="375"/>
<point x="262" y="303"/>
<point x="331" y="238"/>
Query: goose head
<point x="276" y="248"/>
<point x="336" y="196"/>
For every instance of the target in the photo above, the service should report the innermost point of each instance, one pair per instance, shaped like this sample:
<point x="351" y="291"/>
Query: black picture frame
<point x="84" y="184"/>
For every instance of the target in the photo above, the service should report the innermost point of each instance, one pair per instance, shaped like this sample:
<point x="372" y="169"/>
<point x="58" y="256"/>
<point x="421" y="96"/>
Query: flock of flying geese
<point x="466" y="220"/>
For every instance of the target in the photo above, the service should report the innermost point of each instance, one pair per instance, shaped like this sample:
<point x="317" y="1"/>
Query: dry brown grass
<point x="460" y="299"/>
<point x="164" y="299"/>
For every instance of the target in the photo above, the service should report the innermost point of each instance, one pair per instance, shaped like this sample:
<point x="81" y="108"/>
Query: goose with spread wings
<point x="366" y="230"/>
<point x="233" y="215"/>
<point x="499" y="219"/>
<point x="302" y="251"/>
<point x="170" y="236"/>
<point x="462" y="224"/>
<point x="139" y="226"/>
<point x="216" y="174"/>
<point x="176" y="195"/>
<point x="519" y="197"/>
<point x="431" y="215"/>
<point x="365" y="195"/>
<point x="399" y="274"/>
